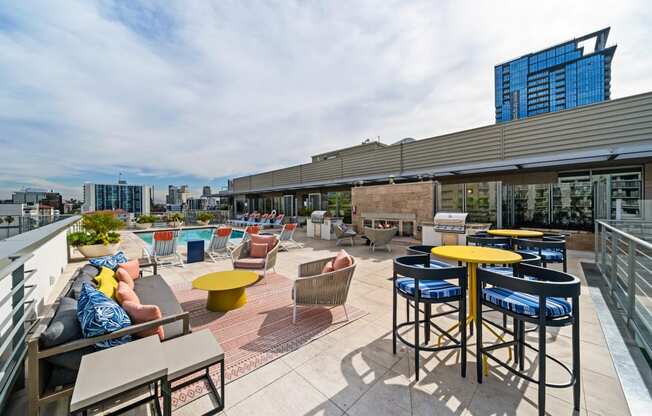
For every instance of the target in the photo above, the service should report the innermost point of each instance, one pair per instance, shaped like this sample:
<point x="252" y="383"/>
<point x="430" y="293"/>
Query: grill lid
<point x="450" y="222"/>
<point x="317" y="217"/>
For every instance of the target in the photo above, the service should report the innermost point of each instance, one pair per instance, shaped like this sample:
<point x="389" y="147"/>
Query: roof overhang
<point x="504" y="165"/>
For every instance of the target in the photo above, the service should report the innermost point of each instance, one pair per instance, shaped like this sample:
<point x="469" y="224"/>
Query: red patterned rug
<point x="259" y="332"/>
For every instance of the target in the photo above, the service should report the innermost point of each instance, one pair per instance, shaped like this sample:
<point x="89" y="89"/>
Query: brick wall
<point x="410" y="198"/>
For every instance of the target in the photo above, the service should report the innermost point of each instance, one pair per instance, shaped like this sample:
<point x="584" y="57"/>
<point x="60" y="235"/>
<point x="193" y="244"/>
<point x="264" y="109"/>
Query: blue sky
<point x="198" y="91"/>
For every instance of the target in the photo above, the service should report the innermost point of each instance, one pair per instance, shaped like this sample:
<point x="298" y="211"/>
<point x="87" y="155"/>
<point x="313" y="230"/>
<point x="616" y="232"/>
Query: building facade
<point x="38" y="196"/>
<point x="132" y="199"/>
<point x="560" y="170"/>
<point x="561" y="77"/>
<point x="206" y="191"/>
<point x="177" y="195"/>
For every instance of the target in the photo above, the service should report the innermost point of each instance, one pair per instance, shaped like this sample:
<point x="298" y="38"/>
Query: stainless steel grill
<point x="450" y="222"/>
<point x="317" y="217"/>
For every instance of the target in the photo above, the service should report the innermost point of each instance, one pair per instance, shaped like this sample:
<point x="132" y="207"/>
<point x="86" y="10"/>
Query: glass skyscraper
<point x="560" y="77"/>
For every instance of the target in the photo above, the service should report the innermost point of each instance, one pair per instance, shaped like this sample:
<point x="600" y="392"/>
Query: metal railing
<point x="11" y="225"/>
<point x="23" y="287"/>
<point x="625" y="261"/>
<point x="18" y="314"/>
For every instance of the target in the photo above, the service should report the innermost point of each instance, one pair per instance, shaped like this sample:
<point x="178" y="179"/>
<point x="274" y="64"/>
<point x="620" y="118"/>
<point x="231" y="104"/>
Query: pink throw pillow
<point x="342" y="261"/>
<point x="144" y="313"/>
<point x="270" y="240"/>
<point x="258" y="250"/>
<point x="124" y="293"/>
<point x="122" y="275"/>
<point x="132" y="267"/>
<point x="328" y="267"/>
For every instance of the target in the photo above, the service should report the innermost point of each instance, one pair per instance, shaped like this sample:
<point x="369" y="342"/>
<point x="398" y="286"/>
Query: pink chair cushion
<point x="258" y="250"/>
<point x="132" y="267"/>
<point x="342" y="261"/>
<point x="328" y="267"/>
<point x="122" y="275"/>
<point x="270" y="240"/>
<point x="144" y="313"/>
<point x="125" y="294"/>
<point x="249" y="263"/>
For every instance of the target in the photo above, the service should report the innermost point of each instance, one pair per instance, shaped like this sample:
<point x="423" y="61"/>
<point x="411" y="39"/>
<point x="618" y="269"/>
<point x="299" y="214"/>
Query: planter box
<point x="175" y="224"/>
<point x="143" y="226"/>
<point x="200" y="222"/>
<point x="98" y="250"/>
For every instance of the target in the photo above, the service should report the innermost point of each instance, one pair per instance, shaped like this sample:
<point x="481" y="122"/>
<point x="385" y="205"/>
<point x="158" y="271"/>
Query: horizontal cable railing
<point x="625" y="261"/>
<point x="18" y="311"/>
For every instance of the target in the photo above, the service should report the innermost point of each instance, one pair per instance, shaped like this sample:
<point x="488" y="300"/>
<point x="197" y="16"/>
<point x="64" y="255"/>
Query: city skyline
<point x="312" y="78"/>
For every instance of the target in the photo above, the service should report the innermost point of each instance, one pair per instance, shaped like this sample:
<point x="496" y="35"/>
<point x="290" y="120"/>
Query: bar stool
<point x="421" y="284"/>
<point x="550" y="250"/>
<point x="541" y="301"/>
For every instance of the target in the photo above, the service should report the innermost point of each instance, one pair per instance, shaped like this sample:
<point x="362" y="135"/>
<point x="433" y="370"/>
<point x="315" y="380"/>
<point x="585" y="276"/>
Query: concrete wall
<point x="416" y="198"/>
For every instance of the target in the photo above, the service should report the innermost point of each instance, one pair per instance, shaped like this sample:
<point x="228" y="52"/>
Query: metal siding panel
<point x="262" y="181"/>
<point x="287" y="177"/>
<point x="324" y="170"/>
<point x="241" y="184"/>
<point x="384" y="160"/>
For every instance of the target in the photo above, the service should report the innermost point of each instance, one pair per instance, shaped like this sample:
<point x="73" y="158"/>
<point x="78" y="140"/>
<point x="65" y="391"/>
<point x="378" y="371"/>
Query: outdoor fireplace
<point x="405" y="223"/>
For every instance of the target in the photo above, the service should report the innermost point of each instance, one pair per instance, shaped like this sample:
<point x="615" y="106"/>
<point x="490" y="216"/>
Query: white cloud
<point x="215" y="89"/>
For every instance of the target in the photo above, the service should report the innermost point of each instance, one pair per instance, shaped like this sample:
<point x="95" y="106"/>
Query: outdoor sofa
<point x="52" y="365"/>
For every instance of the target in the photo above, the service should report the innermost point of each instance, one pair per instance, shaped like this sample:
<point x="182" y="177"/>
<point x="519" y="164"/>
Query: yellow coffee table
<point x="226" y="290"/>
<point x="472" y="256"/>
<point x="515" y="233"/>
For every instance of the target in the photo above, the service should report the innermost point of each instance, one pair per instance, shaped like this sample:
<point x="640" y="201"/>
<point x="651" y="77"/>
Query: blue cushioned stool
<point x="542" y="300"/>
<point x="423" y="282"/>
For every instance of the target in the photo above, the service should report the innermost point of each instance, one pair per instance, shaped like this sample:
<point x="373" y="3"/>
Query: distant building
<point x="177" y="195"/>
<point x="206" y="191"/>
<point x="133" y="199"/>
<point x="560" y="77"/>
<point x="38" y="196"/>
<point x="197" y="204"/>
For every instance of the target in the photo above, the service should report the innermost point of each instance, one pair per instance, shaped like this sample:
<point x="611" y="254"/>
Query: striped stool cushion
<point x="504" y="270"/>
<point x="435" y="264"/>
<point x="430" y="289"/>
<point x="546" y="254"/>
<point x="525" y="304"/>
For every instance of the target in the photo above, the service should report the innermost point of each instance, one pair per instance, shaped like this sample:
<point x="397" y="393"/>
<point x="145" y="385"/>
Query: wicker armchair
<point x="313" y="287"/>
<point x="241" y="259"/>
<point x="380" y="237"/>
<point x="343" y="233"/>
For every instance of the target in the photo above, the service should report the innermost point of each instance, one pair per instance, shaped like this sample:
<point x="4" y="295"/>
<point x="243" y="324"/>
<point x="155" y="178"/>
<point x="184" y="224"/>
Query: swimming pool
<point x="190" y="234"/>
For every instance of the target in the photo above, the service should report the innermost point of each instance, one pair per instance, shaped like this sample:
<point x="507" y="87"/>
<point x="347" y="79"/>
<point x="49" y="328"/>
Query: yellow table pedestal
<point x="473" y="256"/>
<point x="226" y="300"/>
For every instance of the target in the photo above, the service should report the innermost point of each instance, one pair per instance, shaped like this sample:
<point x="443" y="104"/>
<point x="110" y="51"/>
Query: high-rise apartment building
<point x="177" y="195"/>
<point x="38" y="196"/>
<point x="567" y="75"/>
<point x="134" y="199"/>
<point x="206" y="191"/>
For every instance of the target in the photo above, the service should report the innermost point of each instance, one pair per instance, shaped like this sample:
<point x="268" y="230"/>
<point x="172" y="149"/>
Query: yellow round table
<point x="226" y="290"/>
<point x="472" y="256"/>
<point x="516" y="233"/>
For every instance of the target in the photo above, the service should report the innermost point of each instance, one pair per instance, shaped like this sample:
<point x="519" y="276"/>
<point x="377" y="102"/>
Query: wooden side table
<point x="194" y="353"/>
<point x="114" y="372"/>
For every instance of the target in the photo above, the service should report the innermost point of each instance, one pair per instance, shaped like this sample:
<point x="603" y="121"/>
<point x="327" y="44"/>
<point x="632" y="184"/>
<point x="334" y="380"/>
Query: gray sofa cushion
<point x="64" y="326"/>
<point x="70" y="359"/>
<point x="153" y="290"/>
<point x="84" y="274"/>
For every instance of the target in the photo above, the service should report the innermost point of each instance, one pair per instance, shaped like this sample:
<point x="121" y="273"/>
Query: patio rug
<point x="259" y="332"/>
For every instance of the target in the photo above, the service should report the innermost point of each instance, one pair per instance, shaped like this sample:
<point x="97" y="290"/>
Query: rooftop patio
<point x="351" y="370"/>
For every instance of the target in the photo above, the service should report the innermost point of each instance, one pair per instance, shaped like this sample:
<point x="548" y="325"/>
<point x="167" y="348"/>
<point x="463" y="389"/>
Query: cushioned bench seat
<point x="153" y="290"/>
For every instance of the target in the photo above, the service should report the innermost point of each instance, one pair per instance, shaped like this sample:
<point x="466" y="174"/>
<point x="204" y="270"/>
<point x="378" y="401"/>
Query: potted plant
<point x="145" y="221"/>
<point x="175" y="220"/>
<point x="98" y="237"/>
<point x="204" y="218"/>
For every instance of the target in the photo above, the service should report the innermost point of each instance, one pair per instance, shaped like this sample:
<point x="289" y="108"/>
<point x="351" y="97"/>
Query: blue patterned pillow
<point x="99" y="315"/>
<point x="111" y="262"/>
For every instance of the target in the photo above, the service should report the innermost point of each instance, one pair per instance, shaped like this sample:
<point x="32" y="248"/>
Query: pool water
<point x="191" y="234"/>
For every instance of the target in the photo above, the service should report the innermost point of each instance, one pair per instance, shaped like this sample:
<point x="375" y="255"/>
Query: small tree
<point x="205" y="216"/>
<point x="9" y="219"/>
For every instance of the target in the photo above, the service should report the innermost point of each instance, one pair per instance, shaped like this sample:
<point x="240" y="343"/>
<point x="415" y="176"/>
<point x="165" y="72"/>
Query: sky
<point x="195" y="92"/>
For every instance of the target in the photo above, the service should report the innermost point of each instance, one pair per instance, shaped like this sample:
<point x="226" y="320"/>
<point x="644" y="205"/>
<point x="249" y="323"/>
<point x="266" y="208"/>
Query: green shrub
<point x="205" y="216"/>
<point x="146" y="219"/>
<point x="99" y="228"/>
<point x="176" y="217"/>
